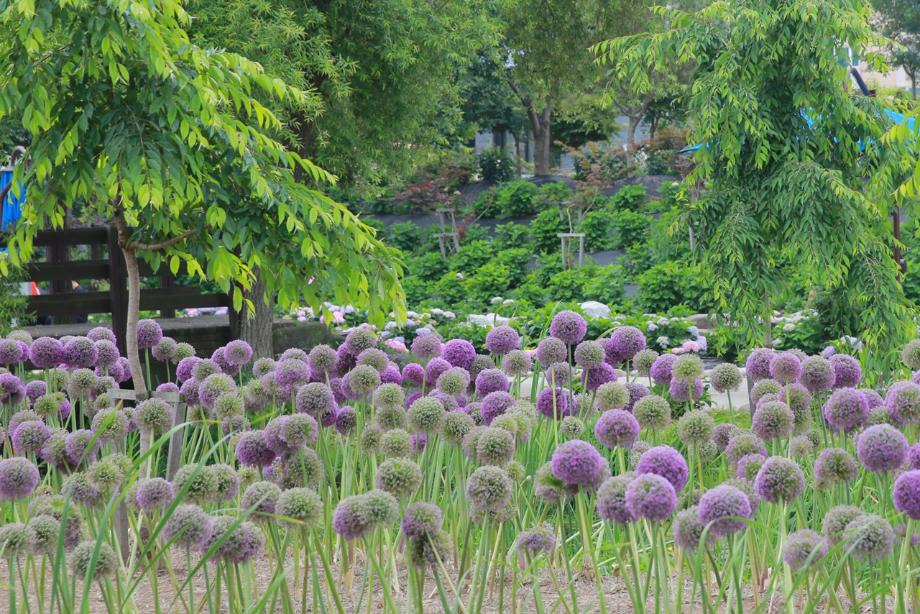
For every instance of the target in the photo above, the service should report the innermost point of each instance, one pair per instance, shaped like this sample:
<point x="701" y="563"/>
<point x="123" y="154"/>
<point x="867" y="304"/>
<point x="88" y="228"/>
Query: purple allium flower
<point x="535" y="541"/>
<point x="459" y="353"/>
<point x="847" y="372"/>
<point x="873" y="398"/>
<point x="189" y="391"/>
<point x="617" y="428"/>
<point x="913" y="456"/>
<point x="846" y="409"/>
<point x="189" y="525"/>
<point x="502" y="339"/>
<point x="166" y="350"/>
<point x="238" y="353"/>
<point x="495" y="404"/>
<point x="101" y="332"/>
<point x="352" y="517"/>
<point x="436" y="366"/>
<point x="391" y="375"/>
<point x="426" y="346"/>
<point x="881" y="448"/>
<point x="80" y="352"/>
<point x="35" y="389"/>
<point x="836" y="520"/>
<point x="779" y="480"/>
<point x="149" y="334"/>
<point x="611" y="395"/>
<point x="122" y="371"/>
<point x="568" y="327"/>
<point x="261" y="498"/>
<point x="413" y="374"/>
<point x="252" y="451"/>
<point x="725" y="377"/>
<point x="153" y="416"/>
<point x="637" y="392"/>
<point x="454" y="381"/>
<point x="906" y="494"/>
<point x="46" y="352"/>
<point x="578" y="463"/>
<point x="680" y="391"/>
<point x="421" y="519"/>
<point x="315" y="399"/>
<point x="551" y="350"/>
<point x="662" y="368"/>
<point x="556" y="403"/>
<point x="804" y="548"/>
<point x="627" y="341"/>
<point x="666" y="462"/>
<point x="400" y="477"/>
<point x="773" y="420"/>
<point x="517" y="363"/>
<point x="30" y="436"/>
<point x="214" y="386"/>
<point x="359" y="339"/>
<point x="868" y="538"/>
<point x="722" y="509"/>
<point x="12" y="390"/>
<point x="18" y="478"/>
<point x="695" y="428"/>
<point x="82" y="446"/>
<point x="757" y="365"/>
<point x="153" y="494"/>
<point x="903" y="402"/>
<point x="242" y="540"/>
<point x="10" y="352"/>
<point x="651" y="496"/>
<point x="653" y="412"/>
<point x="291" y="373"/>
<point x="558" y="374"/>
<point x="722" y="434"/>
<point x="817" y="374"/>
<point x="611" y="500"/>
<point x="785" y="367"/>
<point x="749" y="465"/>
<point x="688" y="530"/>
<point x="345" y="419"/>
<point x="597" y="376"/>
<point x="374" y="358"/>
<point x="589" y="354"/>
<point x="489" y="490"/>
<point x="106" y="354"/>
<point x="491" y="380"/>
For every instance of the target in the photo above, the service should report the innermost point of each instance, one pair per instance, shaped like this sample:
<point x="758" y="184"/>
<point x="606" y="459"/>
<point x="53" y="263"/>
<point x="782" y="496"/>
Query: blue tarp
<point x="12" y="205"/>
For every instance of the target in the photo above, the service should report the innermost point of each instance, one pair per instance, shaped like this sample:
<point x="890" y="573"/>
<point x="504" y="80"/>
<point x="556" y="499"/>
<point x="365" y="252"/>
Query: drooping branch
<point x="152" y="247"/>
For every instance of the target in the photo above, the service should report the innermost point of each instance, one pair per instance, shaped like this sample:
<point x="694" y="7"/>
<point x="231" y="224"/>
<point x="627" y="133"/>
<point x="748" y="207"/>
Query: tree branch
<point x="151" y="247"/>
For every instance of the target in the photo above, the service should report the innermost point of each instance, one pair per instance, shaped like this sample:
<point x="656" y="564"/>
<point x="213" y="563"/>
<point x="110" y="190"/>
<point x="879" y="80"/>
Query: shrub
<point x="456" y="168"/>
<point x="449" y="289"/>
<point x="516" y="198"/>
<point x="671" y="283"/>
<point x="607" y="285"/>
<point x="428" y="267"/>
<point x="471" y="256"/>
<point x="598" y="228"/>
<point x="570" y="284"/>
<point x="491" y="279"/>
<point x="553" y="194"/>
<point x="511" y="235"/>
<point x="630" y="197"/>
<point x="406" y="236"/>
<point x="516" y="261"/>
<point x="545" y="227"/>
<point x="496" y="165"/>
<point x="629" y="228"/>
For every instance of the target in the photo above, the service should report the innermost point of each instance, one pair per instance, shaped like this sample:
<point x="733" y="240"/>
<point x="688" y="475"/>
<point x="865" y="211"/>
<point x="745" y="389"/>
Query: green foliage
<point x="570" y="284"/>
<point x="629" y="228"/>
<point x="670" y="284"/>
<point x="553" y="194"/>
<point x="598" y="228"/>
<point x="491" y="279"/>
<point x="14" y="310"/>
<point x="629" y="198"/>
<point x="606" y="285"/>
<point x="511" y="235"/>
<point x="516" y="199"/>
<point x="544" y="228"/>
<point x="428" y="267"/>
<point x="496" y="165"/>
<point x="471" y="256"/>
<point x="406" y="236"/>
<point x="780" y="189"/>
<point x="515" y="260"/>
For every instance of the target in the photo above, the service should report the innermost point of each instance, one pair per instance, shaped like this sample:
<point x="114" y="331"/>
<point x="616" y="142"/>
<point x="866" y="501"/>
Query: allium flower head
<point x="846" y="409"/>
<point x="749" y="465"/>
<point x="903" y="402"/>
<point x="535" y="541"/>
<point x="722" y="509"/>
<point x="491" y="380"/>
<point x="260" y="498"/>
<point x="426" y="414"/>
<point x="459" y="353"/>
<point x="578" y="463"/>
<point x="153" y="494"/>
<point x="881" y="448"/>
<point x="568" y="327"/>
<point x="46" y="352"/>
<point x="153" y="416"/>
<point x="166" y="350"/>
<point x="725" y="377"/>
<point x="910" y="355"/>
<point x="80" y="352"/>
<point x="495" y="446"/>
<point x="804" y="548"/>
<point x="666" y="462"/>
<point x="421" y="519"/>
<point x="189" y="525"/>
<point x="611" y="500"/>
<point x="589" y="354"/>
<point x="595" y="377"/>
<point x="913" y="456"/>
<point x="30" y="436"/>
<point x="643" y="361"/>
<point x="688" y="530"/>
<point x="489" y="490"/>
<point x="556" y="403"/>
<point x="433" y="370"/>
<point x="627" y="341"/>
<point x="359" y="339"/>
<point x="300" y="504"/>
<point x="757" y="365"/>
<point x="662" y="369"/>
<point x="454" y="381"/>
<point x="345" y="419"/>
<point x="906" y="494"/>
<point x="395" y="443"/>
<point x="456" y="425"/>
<point x="687" y="368"/>
<point x="239" y="541"/>
<point x="502" y="339"/>
<point x="722" y="433"/>
<point x="779" y="480"/>
<point x="149" y="334"/>
<point x="18" y="478"/>
<point x="653" y="412"/>
<point x="82" y="446"/>
<point x="373" y="358"/>
<point x="617" y="428"/>
<point x="773" y="420"/>
<point x="785" y="367"/>
<point x="252" y="451"/>
<point x="817" y="374"/>
<point x="321" y="358"/>
<point x="847" y="372"/>
<point x="836" y="520"/>
<point x="94" y="558"/>
<point x="238" y="353"/>
<point x="868" y="538"/>
<point x="695" y="427"/>
<point x="651" y="496"/>
<point x="680" y="391"/>
<point x="550" y="350"/>
<point x="400" y="477"/>
<point x="426" y="346"/>
<point x="517" y="363"/>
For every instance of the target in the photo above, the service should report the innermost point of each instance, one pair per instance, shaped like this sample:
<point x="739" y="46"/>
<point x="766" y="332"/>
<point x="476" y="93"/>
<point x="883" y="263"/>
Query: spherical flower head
<point x="391" y="375"/>
<point x="436" y="366"/>
<point x="421" y="519"/>
<point x="763" y="388"/>
<point x="109" y="424"/>
<point x="455" y="426"/>
<point x="491" y="380"/>
<point x="517" y="363"/>
<point x="798" y="398"/>
<point x="502" y="339"/>
<point x="426" y="414"/>
<point x="400" y="477"/>
<point x="214" y="386"/>
<point x="627" y="342"/>
<point x="535" y="541"/>
<point x="578" y="463"/>
<point x="46" y="352"/>
<point x="30" y="436"/>
<point x="454" y="381"/>
<point x="106" y="354"/>
<point x="558" y="374"/>
<point x="551" y="350"/>
<point x="910" y="355"/>
<point x="748" y="466"/>
<point x="906" y="494"/>
<point x="757" y="365"/>
<point x="611" y="395"/>
<point x="99" y="333"/>
<point x="847" y="372"/>
<point x="149" y="334"/>
<point x="152" y="494"/>
<point x="881" y="448"/>
<point x="687" y="368"/>
<point x="568" y="327"/>
<point x="804" y="548"/>
<point x="18" y="478"/>
<point x="252" y="451"/>
<point x="315" y="399"/>
<point x="495" y="446"/>
<point x="374" y="358"/>
<point x="428" y="551"/>
<point x="773" y="420"/>
<point x="35" y="389"/>
<point x="785" y="367"/>
<point x="743" y="444"/>
<point x="722" y="509"/>
<point x="817" y="374"/>
<point x="82" y="446"/>
<point x="556" y="403"/>
<point x="868" y="538"/>
<point x="680" y="391"/>
<point x="78" y="488"/>
<point x="688" y="530"/>
<point x="459" y="353"/>
<point x="836" y="520"/>
<point x="301" y="505"/>
<point x="589" y="354"/>
<point x="617" y="428"/>
<point x="779" y="480"/>
<point x="413" y="374"/>
<point x="260" y="498"/>
<point x="153" y="416"/>
<point x="345" y="419"/>
<point x="725" y="377"/>
<point x="395" y="443"/>
<point x="360" y="339"/>
<point x="695" y="428"/>
<point x="185" y="368"/>
<point x="239" y="541"/>
<point x="495" y="404"/>
<point x="80" y="352"/>
<point x="722" y="434"/>
<point x="481" y="362"/>
<point x="382" y="507"/>
<point x="363" y="379"/>
<point x="570" y="428"/>
<point x="913" y="456"/>
<point x="666" y="462"/>
<point x="426" y="346"/>
<point x="903" y="402"/>
<point x="489" y="489"/>
<point x="226" y="482"/>
<point x="44" y="531"/>
<point x="595" y="377"/>
<point x="183" y="350"/>
<point x="846" y="409"/>
<point x="199" y="483"/>
<point x="653" y="412"/>
<point x="611" y="500"/>
<point x="662" y="369"/>
<point x="166" y="350"/>
<point x="94" y="558"/>
<point x="238" y="353"/>
<point x="651" y="496"/>
<point x="189" y="525"/>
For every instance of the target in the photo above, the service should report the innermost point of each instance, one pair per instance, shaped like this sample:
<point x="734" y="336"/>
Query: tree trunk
<point x="631" y="131"/>
<point x="541" y="151"/>
<point x="134" y="304"/>
<point x="255" y="328"/>
<point x="517" y="153"/>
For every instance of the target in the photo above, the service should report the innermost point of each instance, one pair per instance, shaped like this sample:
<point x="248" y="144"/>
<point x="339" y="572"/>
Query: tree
<point x="900" y="20"/>
<point x="547" y="55"/>
<point x="130" y="120"/>
<point x="794" y="173"/>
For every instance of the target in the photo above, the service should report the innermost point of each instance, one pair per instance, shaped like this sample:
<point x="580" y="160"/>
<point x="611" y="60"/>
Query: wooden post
<point x="167" y="281"/>
<point x="118" y="291"/>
